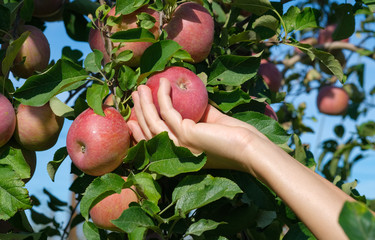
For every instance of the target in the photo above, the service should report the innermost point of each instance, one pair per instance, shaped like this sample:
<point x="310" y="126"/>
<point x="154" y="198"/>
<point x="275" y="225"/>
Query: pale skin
<point x="315" y="200"/>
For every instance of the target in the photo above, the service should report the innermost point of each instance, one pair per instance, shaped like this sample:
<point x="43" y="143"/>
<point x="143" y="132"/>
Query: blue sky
<point x="55" y="32"/>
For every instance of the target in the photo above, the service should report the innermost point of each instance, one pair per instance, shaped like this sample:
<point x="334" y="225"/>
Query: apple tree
<point x="253" y="58"/>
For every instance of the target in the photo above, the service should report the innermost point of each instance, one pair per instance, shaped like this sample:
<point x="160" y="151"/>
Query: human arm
<point x="233" y="144"/>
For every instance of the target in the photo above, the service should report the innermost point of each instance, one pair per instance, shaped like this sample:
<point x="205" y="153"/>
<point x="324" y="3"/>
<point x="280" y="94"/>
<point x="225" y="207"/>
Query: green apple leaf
<point x="137" y="233"/>
<point x="76" y="25"/>
<point x="13" y="195"/>
<point x="308" y="18"/>
<point x="357" y="221"/>
<point x="128" y="6"/>
<point x="195" y="191"/>
<point x="73" y="55"/>
<point x="202" y="226"/>
<point x="91" y="231"/>
<point x="233" y="70"/>
<point x="12" y="51"/>
<point x="133" y="218"/>
<point x="60" y="109"/>
<point x="147" y="186"/>
<point x="100" y="188"/>
<point x="95" y="95"/>
<point x="127" y="78"/>
<point x="290" y="17"/>
<point x="133" y="35"/>
<point x="138" y="155"/>
<point x="93" y="61"/>
<point x="228" y="100"/>
<point x="346" y="22"/>
<point x="21" y="236"/>
<point x="58" y="158"/>
<point x="39" y="89"/>
<point x="4" y="18"/>
<point x="145" y="20"/>
<point x="245" y="36"/>
<point x="302" y="155"/>
<point x="254" y="6"/>
<point x="14" y="158"/>
<point x="299" y="231"/>
<point x="27" y="10"/>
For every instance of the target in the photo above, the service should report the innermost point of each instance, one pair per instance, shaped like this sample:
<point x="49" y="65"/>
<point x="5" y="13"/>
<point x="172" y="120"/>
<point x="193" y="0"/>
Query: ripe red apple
<point x="44" y="8"/>
<point x="268" y="110"/>
<point x="7" y="120"/>
<point x="270" y="74"/>
<point x="37" y="128"/>
<point x="97" y="144"/>
<point x="325" y="35"/>
<point x="36" y="52"/>
<point x="192" y="27"/>
<point x="332" y="100"/>
<point x="189" y="94"/>
<point x="129" y="21"/>
<point x="111" y="208"/>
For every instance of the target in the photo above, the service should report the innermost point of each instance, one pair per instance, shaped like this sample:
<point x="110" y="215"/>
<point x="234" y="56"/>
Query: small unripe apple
<point x="325" y="35"/>
<point x="7" y="120"/>
<point x="47" y="8"/>
<point x="111" y="208"/>
<point x="37" y="128"/>
<point x="129" y="21"/>
<point x="192" y="27"/>
<point x="188" y="92"/>
<point x="36" y="52"/>
<point x="97" y="144"/>
<point x="332" y="100"/>
<point x="270" y="74"/>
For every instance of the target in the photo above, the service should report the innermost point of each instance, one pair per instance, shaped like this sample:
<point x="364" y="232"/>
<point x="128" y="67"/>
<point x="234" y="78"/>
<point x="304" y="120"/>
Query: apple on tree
<point x="325" y="34"/>
<point x="332" y="100"/>
<point x="192" y="26"/>
<point x="46" y="9"/>
<point x="188" y="92"/>
<point x="34" y="54"/>
<point x="111" y="208"/>
<point x="97" y="144"/>
<point x="37" y="128"/>
<point x="127" y="22"/>
<point x="270" y="74"/>
<point x="7" y="120"/>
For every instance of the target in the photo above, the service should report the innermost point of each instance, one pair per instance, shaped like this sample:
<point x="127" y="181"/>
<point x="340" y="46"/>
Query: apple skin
<point x="188" y="93"/>
<point x="129" y="21"/>
<point x="111" y="208"/>
<point x="325" y="35"/>
<point x="47" y="8"/>
<point x="37" y="128"/>
<point x="332" y="100"/>
<point x="7" y="120"/>
<point x="98" y="144"/>
<point x="37" y="52"/>
<point x="270" y="74"/>
<point x="192" y="27"/>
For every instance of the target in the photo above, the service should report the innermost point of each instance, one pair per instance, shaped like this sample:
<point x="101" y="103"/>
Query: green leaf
<point x="145" y="20"/>
<point x="138" y="155"/>
<point x="60" y="109"/>
<point x="21" y="236"/>
<point x="27" y="10"/>
<point x="76" y="25"/>
<point x="133" y="35"/>
<point x="346" y="22"/>
<point x="127" y="78"/>
<point x="133" y="218"/>
<point x="84" y="7"/>
<point x="245" y="36"/>
<point x="299" y="231"/>
<point x="370" y="4"/>
<point x="13" y="195"/>
<point x="267" y="21"/>
<point x="195" y="191"/>
<point x="95" y="95"/>
<point x="147" y="186"/>
<point x="39" y="89"/>
<point x="168" y="160"/>
<point x="201" y="226"/>
<point x="93" y="61"/>
<point x="58" y="158"/>
<point x="137" y="233"/>
<point x="366" y="129"/>
<point x="12" y="51"/>
<point x="233" y="70"/>
<point x="156" y="57"/>
<point x="228" y="100"/>
<point x="357" y="221"/>
<point x="4" y="18"/>
<point x="14" y="158"/>
<point x="254" y="6"/>
<point x="100" y="188"/>
<point x="128" y="6"/>
<point x="302" y="155"/>
<point x="308" y="18"/>
<point x="73" y="55"/>
<point x="290" y="17"/>
<point x="91" y="231"/>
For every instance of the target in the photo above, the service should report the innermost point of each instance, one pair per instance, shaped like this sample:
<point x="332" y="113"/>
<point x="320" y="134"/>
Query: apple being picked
<point x="37" y="128"/>
<point x="34" y="54"/>
<point x="127" y="22"/>
<point x="188" y="92"/>
<point x="192" y="26"/>
<point x="111" y="208"/>
<point x="332" y="100"/>
<point x="97" y="144"/>
<point x="7" y="120"/>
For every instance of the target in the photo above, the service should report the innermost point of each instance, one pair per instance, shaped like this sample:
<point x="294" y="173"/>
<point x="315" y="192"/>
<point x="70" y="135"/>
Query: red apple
<point x="44" y="8"/>
<point x="270" y="74"/>
<point x="268" y="110"/>
<point x="111" y="208"/>
<point x="325" y="35"/>
<point x="192" y="27"/>
<point x="37" y="128"/>
<point x="7" y="120"/>
<point x="332" y="100"/>
<point x="97" y="144"/>
<point x="36" y="52"/>
<point x="129" y="21"/>
<point x="189" y="94"/>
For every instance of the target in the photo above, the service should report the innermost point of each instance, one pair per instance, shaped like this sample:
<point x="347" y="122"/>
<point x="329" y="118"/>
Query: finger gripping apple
<point x="188" y="92"/>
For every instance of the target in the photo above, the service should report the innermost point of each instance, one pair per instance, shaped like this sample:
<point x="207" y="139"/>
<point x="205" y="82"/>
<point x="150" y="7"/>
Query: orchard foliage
<point x="177" y="197"/>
